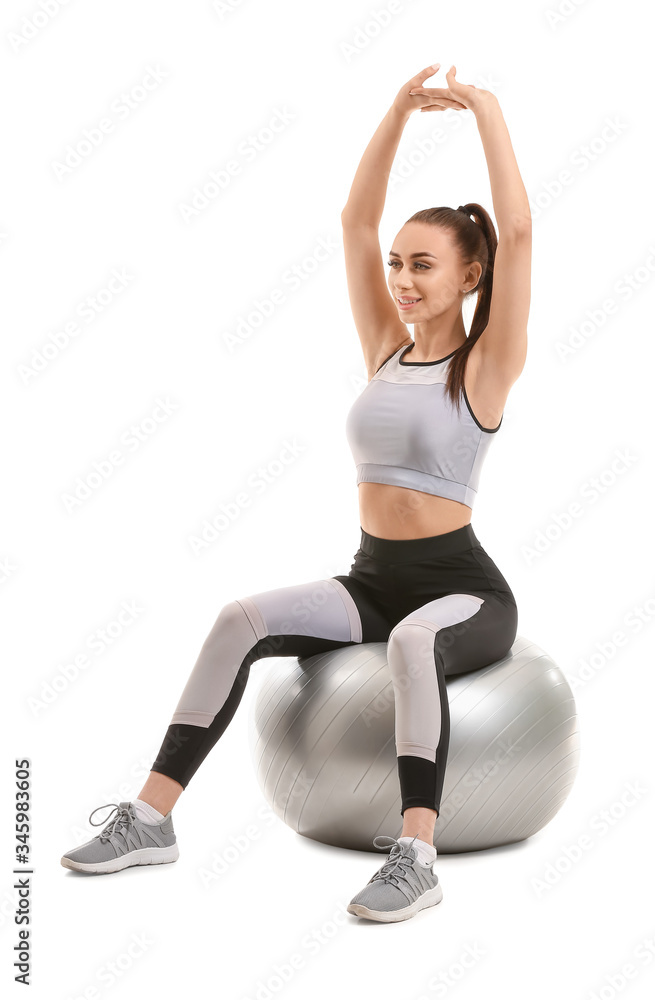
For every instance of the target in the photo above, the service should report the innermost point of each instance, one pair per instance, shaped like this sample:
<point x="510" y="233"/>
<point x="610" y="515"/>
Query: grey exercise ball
<point x="321" y="733"/>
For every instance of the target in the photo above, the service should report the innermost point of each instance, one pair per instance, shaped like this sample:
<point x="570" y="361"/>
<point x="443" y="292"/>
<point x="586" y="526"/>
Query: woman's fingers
<point x="438" y="96"/>
<point x="424" y="74"/>
<point x="453" y="83"/>
<point x="444" y="107"/>
<point x="431" y="91"/>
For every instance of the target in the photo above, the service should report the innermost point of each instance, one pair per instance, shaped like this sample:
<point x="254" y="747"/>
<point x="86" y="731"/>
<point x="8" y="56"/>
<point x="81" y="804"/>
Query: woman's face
<point x="425" y="265"/>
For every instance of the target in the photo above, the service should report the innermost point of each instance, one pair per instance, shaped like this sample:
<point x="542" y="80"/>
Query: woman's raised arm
<point x="369" y="187"/>
<point x="380" y="329"/>
<point x="503" y="345"/>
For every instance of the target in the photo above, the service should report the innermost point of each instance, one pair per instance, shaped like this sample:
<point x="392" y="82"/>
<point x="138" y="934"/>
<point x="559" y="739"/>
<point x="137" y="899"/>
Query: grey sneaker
<point x="125" y="840"/>
<point x="401" y="887"/>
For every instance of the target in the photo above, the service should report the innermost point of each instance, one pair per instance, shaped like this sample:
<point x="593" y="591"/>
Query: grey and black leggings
<point x="441" y="605"/>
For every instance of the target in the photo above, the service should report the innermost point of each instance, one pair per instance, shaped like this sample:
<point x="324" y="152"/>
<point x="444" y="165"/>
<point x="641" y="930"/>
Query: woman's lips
<point x="407" y="305"/>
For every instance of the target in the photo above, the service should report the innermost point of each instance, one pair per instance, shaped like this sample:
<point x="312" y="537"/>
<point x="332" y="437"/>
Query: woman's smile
<point x="406" y="303"/>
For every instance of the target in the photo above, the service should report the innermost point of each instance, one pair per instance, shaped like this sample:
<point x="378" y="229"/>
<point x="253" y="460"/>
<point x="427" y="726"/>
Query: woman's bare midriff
<point x="400" y="513"/>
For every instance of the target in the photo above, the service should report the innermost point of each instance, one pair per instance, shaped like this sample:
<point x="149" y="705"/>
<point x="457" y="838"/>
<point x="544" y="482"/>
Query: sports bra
<point x="404" y="431"/>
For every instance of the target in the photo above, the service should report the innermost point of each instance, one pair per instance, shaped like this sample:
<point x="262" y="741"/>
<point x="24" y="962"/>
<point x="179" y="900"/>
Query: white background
<point x="574" y="95"/>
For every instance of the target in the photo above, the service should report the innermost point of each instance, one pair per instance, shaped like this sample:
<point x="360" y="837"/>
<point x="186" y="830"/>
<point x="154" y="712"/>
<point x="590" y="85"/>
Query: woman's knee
<point x="231" y="624"/>
<point x="410" y="652"/>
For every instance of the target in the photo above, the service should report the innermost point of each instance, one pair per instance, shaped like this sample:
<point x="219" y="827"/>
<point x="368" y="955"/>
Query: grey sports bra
<point x="403" y="430"/>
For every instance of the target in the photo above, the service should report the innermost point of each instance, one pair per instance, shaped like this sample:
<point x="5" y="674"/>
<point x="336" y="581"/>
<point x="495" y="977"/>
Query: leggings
<point x="441" y="605"/>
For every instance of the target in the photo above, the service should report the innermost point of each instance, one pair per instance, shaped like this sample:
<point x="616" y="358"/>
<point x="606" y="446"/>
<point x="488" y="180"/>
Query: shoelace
<point x="124" y="817"/>
<point x="393" y="869"/>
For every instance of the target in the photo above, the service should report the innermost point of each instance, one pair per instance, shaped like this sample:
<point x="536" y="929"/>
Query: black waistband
<point x="400" y="550"/>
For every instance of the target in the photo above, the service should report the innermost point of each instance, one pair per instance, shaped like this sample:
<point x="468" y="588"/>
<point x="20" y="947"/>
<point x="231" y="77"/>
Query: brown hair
<point x="475" y="241"/>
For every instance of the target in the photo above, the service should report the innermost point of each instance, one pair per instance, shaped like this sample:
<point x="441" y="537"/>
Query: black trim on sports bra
<point x="410" y="346"/>
<point x="488" y="430"/>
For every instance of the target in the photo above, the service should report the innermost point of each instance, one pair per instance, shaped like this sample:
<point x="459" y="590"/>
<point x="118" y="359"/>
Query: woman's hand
<point x="412" y="96"/>
<point x="463" y="96"/>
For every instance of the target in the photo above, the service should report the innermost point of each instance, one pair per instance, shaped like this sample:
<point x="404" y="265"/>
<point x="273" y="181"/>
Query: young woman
<point x="419" y="433"/>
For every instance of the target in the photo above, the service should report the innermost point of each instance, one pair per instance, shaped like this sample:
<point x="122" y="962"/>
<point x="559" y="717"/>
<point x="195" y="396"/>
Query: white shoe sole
<point x="146" y="856"/>
<point x="429" y="898"/>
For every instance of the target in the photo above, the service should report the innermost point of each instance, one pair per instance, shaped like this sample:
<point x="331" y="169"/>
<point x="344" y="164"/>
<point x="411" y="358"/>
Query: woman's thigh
<point x="314" y="617"/>
<point x="461" y="631"/>
<point x="453" y="634"/>
<point x="299" y="620"/>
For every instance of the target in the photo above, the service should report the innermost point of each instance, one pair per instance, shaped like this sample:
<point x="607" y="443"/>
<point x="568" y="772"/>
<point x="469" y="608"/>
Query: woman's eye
<point x="417" y="262"/>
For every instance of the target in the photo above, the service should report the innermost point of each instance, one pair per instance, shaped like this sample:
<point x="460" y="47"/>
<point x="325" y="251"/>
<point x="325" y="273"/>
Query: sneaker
<point x="125" y="840"/>
<point x="402" y="886"/>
